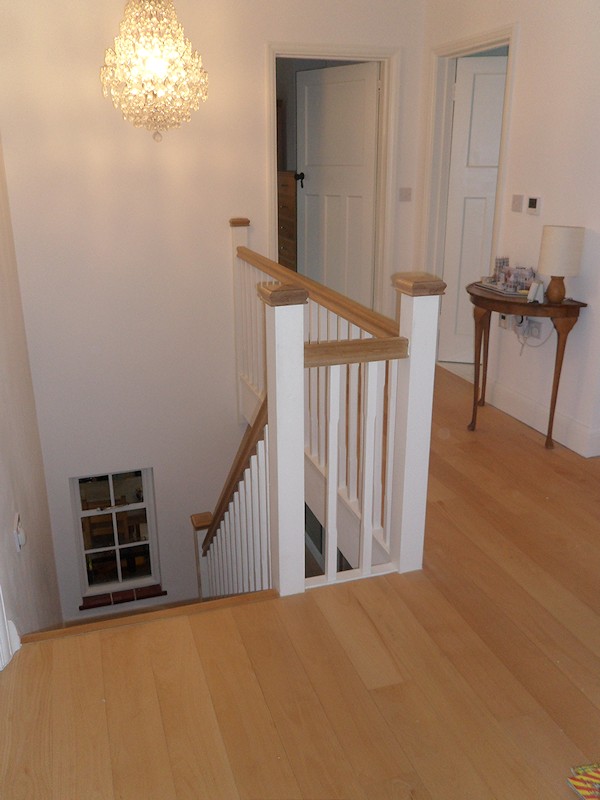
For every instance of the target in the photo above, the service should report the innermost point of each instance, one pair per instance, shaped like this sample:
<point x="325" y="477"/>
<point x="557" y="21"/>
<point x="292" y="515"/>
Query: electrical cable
<point x="523" y="340"/>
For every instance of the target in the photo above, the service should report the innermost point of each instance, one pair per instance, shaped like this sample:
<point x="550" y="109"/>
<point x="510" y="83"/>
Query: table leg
<point x="485" y="322"/>
<point x="482" y="322"/>
<point x="563" y="326"/>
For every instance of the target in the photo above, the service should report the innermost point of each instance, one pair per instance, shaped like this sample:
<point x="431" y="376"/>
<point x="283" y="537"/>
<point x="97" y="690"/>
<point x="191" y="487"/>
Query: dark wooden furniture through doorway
<point x="563" y="315"/>
<point x="286" y="219"/>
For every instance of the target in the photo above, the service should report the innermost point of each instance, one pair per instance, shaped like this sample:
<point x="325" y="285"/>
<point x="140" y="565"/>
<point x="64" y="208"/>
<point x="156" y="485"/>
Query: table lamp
<point x="560" y="256"/>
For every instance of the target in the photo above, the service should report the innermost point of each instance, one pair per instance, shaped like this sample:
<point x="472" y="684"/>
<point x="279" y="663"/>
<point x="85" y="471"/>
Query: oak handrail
<point x="354" y="351"/>
<point x="245" y="452"/>
<point x="370" y="321"/>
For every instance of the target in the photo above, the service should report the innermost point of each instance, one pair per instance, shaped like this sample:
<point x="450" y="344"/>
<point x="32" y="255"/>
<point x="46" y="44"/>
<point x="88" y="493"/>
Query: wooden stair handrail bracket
<point x="246" y="450"/>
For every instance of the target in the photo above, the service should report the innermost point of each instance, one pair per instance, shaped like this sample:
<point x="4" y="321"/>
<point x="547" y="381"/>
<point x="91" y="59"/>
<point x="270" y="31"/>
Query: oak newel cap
<point x="418" y="284"/>
<point x="278" y="294"/>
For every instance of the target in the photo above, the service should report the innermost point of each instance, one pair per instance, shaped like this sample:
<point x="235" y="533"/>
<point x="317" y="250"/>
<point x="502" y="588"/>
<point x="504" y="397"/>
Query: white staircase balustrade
<point x="349" y="395"/>
<point x="238" y="559"/>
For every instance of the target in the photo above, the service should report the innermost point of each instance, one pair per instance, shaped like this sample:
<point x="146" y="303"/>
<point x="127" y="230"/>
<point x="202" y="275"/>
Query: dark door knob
<point x="299" y="176"/>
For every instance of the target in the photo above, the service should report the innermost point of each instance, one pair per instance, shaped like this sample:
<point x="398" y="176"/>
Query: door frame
<point x="386" y="189"/>
<point x="441" y="118"/>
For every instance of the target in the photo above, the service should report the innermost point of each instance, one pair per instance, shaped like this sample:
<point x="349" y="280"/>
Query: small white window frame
<point x="88" y="590"/>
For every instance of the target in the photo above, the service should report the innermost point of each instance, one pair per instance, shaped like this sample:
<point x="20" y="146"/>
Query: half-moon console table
<point x="563" y="315"/>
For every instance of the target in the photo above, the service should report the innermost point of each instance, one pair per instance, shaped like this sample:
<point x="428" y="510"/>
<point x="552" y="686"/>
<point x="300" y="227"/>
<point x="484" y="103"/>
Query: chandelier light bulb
<point x="152" y="75"/>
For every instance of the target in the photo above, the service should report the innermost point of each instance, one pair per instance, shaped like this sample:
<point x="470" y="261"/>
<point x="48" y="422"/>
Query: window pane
<point x="94" y="492"/>
<point x="135" y="562"/>
<point x="97" y="531"/>
<point x="132" y="526"/>
<point x="128" y="488"/>
<point x="101" y="567"/>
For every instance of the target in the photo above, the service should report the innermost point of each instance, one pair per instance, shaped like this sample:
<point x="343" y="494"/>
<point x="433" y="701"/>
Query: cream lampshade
<point x="560" y="256"/>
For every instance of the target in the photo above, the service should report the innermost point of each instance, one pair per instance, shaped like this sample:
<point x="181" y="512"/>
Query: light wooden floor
<point x="477" y="678"/>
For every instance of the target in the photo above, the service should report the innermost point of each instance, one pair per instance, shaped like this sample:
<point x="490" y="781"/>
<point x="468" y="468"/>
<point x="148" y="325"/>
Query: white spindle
<point x="243" y="539"/>
<point x="235" y="543"/>
<point x="265" y="559"/>
<point x="238" y="539"/>
<point x="331" y="501"/>
<point x="367" y="464"/>
<point x="255" y="523"/>
<point x="390" y="439"/>
<point x="313" y="336"/>
<point x="226" y="533"/>
<point x="378" y="454"/>
<point x="352" y="434"/>
<point x="246" y="494"/>
<point x="218" y="567"/>
<point x="211" y="581"/>
<point x="252" y="345"/>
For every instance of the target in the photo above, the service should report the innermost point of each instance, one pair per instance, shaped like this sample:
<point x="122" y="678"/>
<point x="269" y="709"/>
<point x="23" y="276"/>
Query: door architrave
<point x="437" y="171"/>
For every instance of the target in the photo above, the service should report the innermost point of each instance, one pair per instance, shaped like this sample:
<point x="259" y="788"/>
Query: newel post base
<point x="284" y="320"/>
<point x="418" y="306"/>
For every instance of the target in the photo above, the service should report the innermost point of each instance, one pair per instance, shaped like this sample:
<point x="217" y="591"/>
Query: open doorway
<point x="330" y="188"/>
<point x="470" y="119"/>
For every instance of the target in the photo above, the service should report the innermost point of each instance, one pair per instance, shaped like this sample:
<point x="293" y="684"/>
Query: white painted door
<point x="337" y="152"/>
<point x="476" y="130"/>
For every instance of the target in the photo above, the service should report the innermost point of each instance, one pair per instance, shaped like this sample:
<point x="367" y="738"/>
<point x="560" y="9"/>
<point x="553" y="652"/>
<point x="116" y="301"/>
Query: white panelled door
<point x="476" y="131"/>
<point x="337" y="122"/>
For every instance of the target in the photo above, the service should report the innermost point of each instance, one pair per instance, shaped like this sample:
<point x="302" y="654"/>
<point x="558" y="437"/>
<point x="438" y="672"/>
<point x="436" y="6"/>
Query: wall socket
<point x="528" y="327"/>
<point x="533" y="329"/>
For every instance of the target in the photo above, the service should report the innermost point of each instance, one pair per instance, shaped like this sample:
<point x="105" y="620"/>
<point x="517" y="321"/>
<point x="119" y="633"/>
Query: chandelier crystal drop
<point x="152" y="75"/>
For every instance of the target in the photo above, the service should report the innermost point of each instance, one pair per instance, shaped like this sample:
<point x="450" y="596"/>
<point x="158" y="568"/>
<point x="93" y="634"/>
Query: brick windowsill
<point x="122" y="596"/>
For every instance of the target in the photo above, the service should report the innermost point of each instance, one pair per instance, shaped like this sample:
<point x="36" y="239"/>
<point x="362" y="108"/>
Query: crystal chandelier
<point x="152" y="75"/>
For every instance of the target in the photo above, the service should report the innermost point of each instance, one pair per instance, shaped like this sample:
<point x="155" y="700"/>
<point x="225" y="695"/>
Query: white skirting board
<point x="566" y="431"/>
<point x="10" y="641"/>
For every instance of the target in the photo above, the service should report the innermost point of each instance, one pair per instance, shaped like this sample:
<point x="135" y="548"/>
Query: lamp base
<point x="555" y="293"/>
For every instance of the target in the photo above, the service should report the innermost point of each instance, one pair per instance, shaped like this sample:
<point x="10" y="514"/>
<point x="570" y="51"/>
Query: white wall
<point x="123" y="244"/>
<point x="552" y="152"/>
<point x="28" y="577"/>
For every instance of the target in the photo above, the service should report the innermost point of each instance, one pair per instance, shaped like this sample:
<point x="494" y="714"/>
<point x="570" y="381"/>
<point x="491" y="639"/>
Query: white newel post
<point x="284" y="307"/>
<point x="418" y="304"/>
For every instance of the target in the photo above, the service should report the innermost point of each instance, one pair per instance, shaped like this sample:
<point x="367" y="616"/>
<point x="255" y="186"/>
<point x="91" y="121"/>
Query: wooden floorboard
<point x="477" y="678"/>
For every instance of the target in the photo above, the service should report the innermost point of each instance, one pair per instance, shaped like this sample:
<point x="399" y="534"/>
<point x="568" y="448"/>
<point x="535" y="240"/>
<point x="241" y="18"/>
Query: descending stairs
<point x="134" y="618"/>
